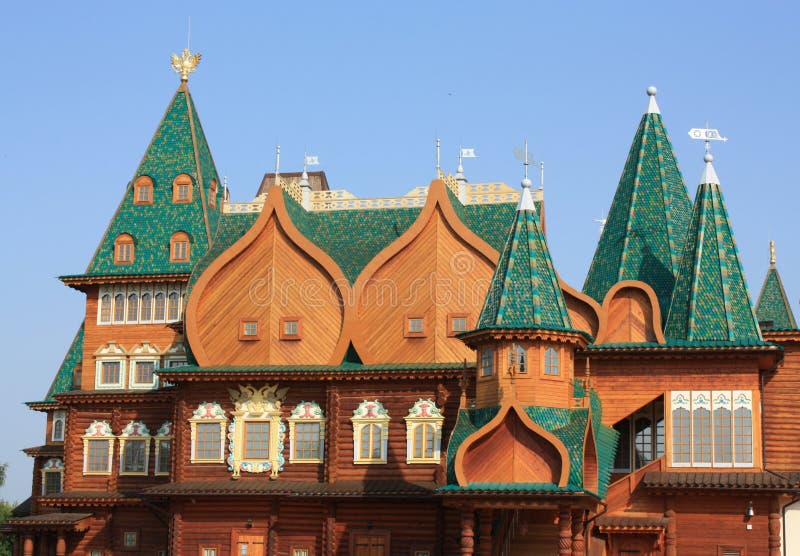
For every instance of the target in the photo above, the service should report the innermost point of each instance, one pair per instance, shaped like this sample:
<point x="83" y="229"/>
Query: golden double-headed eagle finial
<point x="185" y="64"/>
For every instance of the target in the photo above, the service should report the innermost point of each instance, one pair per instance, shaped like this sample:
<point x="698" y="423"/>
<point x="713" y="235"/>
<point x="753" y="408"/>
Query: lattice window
<point x="163" y="442"/>
<point x="370" y="432"/>
<point x="552" y="362"/>
<point x="52" y="476"/>
<point x="182" y="189"/>
<point x="123" y="249"/>
<point x="256" y="433"/>
<point x="307" y="433"/>
<point x="59" y="421"/>
<point x="208" y="429"/>
<point x="143" y="191"/>
<point x="179" y="247"/>
<point x="487" y="362"/>
<point x="517" y="359"/>
<point x="134" y="449"/>
<point x="424" y="432"/>
<point x="98" y="448"/>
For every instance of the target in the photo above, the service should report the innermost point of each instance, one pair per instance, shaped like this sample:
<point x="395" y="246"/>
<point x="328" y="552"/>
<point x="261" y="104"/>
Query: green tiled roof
<point x="525" y="291"/>
<point x="673" y="343"/>
<point x="64" y="377"/>
<point x="711" y="301"/>
<point x="178" y="147"/>
<point x="773" y="305"/>
<point x="646" y="226"/>
<point x="568" y="425"/>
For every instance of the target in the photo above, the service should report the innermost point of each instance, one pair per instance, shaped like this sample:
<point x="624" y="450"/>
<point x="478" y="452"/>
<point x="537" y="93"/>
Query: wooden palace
<point x="314" y="374"/>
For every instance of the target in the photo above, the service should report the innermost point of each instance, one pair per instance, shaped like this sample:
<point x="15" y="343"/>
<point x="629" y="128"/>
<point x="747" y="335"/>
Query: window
<point x="163" y="440"/>
<point x="206" y="551"/>
<point x="290" y="328"/>
<point x="306" y="433"/>
<point x="123" y="249"/>
<point x="731" y="551"/>
<point x="105" y="308"/>
<point x="370" y="432"/>
<point x="208" y="428"/>
<point x="641" y="438"/>
<point x="369" y="543"/>
<point x="415" y="326"/>
<point x="110" y="374"/>
<point x="97" y="553"/>
<point x="143" y="191"/>
<point x="144" y="373"/>
<point x="182" y="189"/>
<point x="423" y="432"/>
<point x="52" y="476"/>
<point x="133" y="308"/>
<point x="179" y="247"/>
<point x="134" y="449"/>
<point x="98" y="447"/>
<point x="119" y="308"/>
<point x="456" y="323"/>
<point x="59" y="418"/>
<point x="249" y="329"/>
<point x="160" y="307"/>
<point x="517" y="360"/>
<point x="712" y="429"/>
<point x="176" y="363"/>
<point x="551" y="362"/>
<point x="487" y="362"/>
<point x="255" y="438"/>
<point x="173" y="308"/>
<point x="147" y="308"/>
<point x="130" y="539"/>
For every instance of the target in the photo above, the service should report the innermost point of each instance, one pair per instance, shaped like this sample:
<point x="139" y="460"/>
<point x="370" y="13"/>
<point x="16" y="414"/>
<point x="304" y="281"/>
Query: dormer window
<point x="143" y="191"/>
<point x="123" y="249"/>
<point x="179" y="247"/>
<point x="182" y="189"/>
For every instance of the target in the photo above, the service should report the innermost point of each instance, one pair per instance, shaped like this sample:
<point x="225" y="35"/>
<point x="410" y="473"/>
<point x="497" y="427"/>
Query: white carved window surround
<point x="52" y="476"/>
<point x="144" y="362"/>
<point x="134" y="449"/>
<point x="59" y="425"/>
<point x="98" y="449"/>
<point x="110" y="367"/>
<point x="208" y="433"/>
<point x="163" y="442"/>
<point x="370" y="432"/>
<point x="711" y="428"/>
<point x="424" y="432"/>
<point x="256" y="432"/>
<point x="307" y="433"/>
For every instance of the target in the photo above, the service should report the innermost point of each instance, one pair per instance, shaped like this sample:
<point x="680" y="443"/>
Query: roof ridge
<point x="200" y="181"/>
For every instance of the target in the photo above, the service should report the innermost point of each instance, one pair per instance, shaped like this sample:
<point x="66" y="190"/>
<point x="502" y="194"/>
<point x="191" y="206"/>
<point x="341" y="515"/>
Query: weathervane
<point x="522" y="155"/>
<point x="185" y="64"/>
<point x="706" y="134"/>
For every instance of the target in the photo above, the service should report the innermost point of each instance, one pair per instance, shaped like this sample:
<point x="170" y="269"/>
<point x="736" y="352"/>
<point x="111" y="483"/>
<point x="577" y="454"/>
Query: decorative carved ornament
<point x="424" y="432"/>
<point x="306" y="412"/>
<point x="256" y="405"/>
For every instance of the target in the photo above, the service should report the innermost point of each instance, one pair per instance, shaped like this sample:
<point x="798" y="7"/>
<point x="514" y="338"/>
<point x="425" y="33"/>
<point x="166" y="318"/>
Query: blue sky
<point x="367" y="87"/>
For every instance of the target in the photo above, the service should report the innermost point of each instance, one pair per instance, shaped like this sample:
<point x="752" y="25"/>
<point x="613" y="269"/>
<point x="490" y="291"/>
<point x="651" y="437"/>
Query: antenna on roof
<point x="277" y="162"/>
<point x="189" y="35"/>
<point x="602" y="221"/>
<point x="438" y="156"/>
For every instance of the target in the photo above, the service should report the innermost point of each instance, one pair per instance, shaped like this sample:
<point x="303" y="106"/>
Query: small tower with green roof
<point x="711" y="302"/>
<point x="773" y="309"/>
<point x="646" y="226"/>
<point x="524" y="337"/>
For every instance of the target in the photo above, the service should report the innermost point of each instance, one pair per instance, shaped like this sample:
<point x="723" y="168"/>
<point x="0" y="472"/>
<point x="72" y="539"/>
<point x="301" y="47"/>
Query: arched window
<point x="58" y="425"/>
<point x="370" y="432"/>
<point x="133" y="307"/>
<point x="119" y="307"/>
<point x="143" y="191"/>
<point x="179" y="247"/>
<point x="701" y="429"/>
<point x="551" y="362"/>
<point x="517" y="359"/>
<point x="147" y="308"/>
<point x="681" y="429"/>
<point x="487" y="362"/>
<point x="173" y="310"/>
<point x="212" y="194"/>
<point x="123" y="249"/>
<point x="743" y="428"/>
<point x="105" y="308"/>
<point x="423" y="432"/>
<point x="182" y="189"/>
<point x="723" y="430"/>
<point x="160" y="307"/>
<point x="134" y="449"/>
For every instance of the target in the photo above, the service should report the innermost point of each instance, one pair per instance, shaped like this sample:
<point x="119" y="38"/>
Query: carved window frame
<point x="370" y="412"/>
<point x="306" y="412"/>
<point x="256" y="405"/>
<point x="164" y="434"/>
<point x="208" y="413"/>
<point x="98" y="431"/>
<point x="53" y="466"/>
<point x="135" y="431"/>
<point x="110" y="353"/>
<point x="424" y="413"/>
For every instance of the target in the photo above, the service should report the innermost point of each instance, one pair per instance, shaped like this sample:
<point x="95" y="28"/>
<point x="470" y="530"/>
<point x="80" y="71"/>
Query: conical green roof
<point x="711" y="300"/>
<point x="646" y="226"/>
<point x="178" y="147"/>
<point x="525" y="292"/>
<point x="773" y="309"/>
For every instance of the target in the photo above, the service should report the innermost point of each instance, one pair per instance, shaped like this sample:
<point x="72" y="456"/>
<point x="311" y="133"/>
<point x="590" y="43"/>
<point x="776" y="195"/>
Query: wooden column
<point x="578" y="541"/>
<point x="774" y="526"/>
<point x="177" y="531"/>
<point x="467" y="532"/>
<point x="485" y="546"/>
<point x="27" y="545"/>
<point x="564" y="531"/>
<point x="61" y="544"/>
<point x="329" y="531"/>
<point x="272" y="533"/>
<point x="671" y="533"/>
<point x="330" y="464"/>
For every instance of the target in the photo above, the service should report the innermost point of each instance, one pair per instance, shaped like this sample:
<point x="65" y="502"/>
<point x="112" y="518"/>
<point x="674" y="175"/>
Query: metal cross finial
<point x="277" y="162"/>
<point x="772" y="252"/>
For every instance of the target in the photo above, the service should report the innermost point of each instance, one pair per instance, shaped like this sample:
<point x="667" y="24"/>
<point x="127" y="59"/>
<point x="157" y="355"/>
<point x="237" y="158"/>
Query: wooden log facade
<point x="411" y="378"/>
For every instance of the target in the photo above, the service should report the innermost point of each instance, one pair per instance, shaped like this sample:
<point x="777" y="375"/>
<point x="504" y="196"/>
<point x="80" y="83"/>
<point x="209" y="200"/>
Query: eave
<point x="114" y="396"/>
<point x="82" y="282"/>
<point x="44" y="406"/>
<point x="474" y="338"/>
<point x="45" y="450"/>
<point x="767" y="354"/>
<point x="294" y="489"/>
<point x="87" y="499"/>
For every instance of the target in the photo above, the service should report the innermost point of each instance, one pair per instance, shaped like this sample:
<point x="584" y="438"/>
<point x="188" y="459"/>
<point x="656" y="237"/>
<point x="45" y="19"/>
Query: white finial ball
<point x="651" y="91"/>
<point x="708" y="157"/>
<point x="526" y="182"/>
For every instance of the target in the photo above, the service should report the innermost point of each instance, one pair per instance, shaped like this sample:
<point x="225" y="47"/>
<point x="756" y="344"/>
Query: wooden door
<point x="250" y="545"/>
<point x="370" y="545"/>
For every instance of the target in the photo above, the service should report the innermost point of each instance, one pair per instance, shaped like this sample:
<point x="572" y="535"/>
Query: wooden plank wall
<point x="782" y="411"/>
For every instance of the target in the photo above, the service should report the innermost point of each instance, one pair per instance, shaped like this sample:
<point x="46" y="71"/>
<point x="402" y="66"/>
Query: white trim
<point x="98" y="384"/>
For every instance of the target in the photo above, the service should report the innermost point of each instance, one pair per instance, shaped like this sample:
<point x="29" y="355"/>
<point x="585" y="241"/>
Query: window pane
<point x="701" y="435"/>
<point x="52" y="482"/>
<point x="133" y="307"/>
<point x="487" y="362"/>
<point x="429" y="438"/>
<point x="119" y="307"/>
<point x="105" y="308"/>
<point x="415" y="325"/>
<point x="643" y="441"/>
<point x="681" y="444"/>
<point x="376" y="441"/>
<point x="418" y="438"/>
<point x="517" y="358"/>
<point x="173" y="306"/>
<point x="256" y="442"/>
<point x="130" y="539"/>
<point x="459" y="324"/>
<point x="110" y="372"/>
<point x="364" y="442"/>
<point x="290" y="328"/>
<point x="147" y="308"/>
<point x="743" y="422"/>
<point x="58" y="430"/>
<point x="164" y="456"/>
<point x="98" y="455"/>
<point x="144" y="372"/>
<point x="660" y="435"/>
<point x="723" y="449"/>
<point x="551" y="362"/>
<point x="160" y="307"/>
<point x="133" y="458"/>
<point x="207" y="438"/>
<point x="307" y="441"/>
<point x="622" y="461"/>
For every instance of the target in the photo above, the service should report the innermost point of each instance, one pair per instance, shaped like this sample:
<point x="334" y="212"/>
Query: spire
<point x="525" y="291"/>
<point x="645" y="230"/>
<point x="178" y="147"/>
<point x="773" y="310"/>
<point x="711" y="301"/>
<point x="709" y="174"/>
<point x="652" y="105"/>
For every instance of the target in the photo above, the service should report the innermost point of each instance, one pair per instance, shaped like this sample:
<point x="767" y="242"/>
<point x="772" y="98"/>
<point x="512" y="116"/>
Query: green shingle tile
<point x="773" y="305"/>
